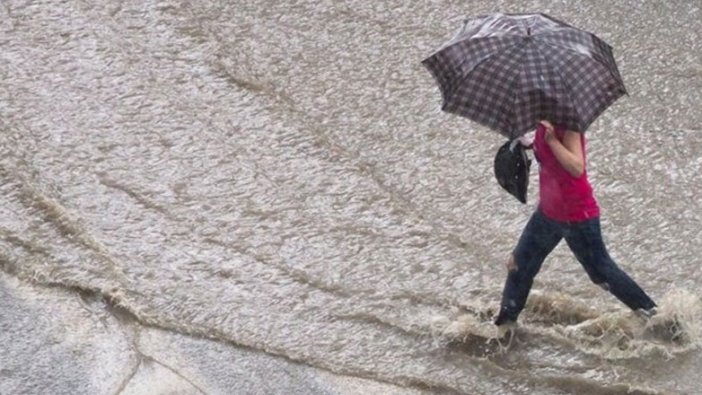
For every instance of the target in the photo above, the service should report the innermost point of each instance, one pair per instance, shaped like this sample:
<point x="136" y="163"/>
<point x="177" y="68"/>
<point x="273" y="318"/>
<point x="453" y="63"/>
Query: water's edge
<point x="113" y="352"/>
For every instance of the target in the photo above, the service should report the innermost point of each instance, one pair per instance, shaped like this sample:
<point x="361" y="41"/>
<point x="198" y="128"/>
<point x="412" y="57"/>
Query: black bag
<point x="512" y="169"/>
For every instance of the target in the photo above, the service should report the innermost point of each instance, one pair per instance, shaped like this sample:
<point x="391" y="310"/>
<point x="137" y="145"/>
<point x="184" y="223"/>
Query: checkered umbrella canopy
<point x="508" y="71"/>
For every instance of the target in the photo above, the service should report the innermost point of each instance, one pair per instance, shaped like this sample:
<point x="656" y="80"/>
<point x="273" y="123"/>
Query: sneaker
<point x="506" y="328"/>
<point x="646" y="313"/>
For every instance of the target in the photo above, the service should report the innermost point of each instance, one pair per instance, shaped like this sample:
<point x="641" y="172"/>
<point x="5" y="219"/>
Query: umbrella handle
<point x="513" y="144"/>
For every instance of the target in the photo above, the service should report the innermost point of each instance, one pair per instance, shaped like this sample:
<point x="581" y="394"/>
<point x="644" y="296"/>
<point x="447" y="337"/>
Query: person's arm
<point x="569" y="153"/>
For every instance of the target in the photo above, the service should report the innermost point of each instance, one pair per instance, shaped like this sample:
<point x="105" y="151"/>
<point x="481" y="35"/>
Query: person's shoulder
<point x="569" y="133"/>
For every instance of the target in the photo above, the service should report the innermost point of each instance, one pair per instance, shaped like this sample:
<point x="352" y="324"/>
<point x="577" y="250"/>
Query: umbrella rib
<point x="567" y="85"/>
<point x="472" y="41"/>
<point x="560" y="22"/>
<point x="564" y="47"/>
<point x="516" y="95"/>
<point x="567" y="28"/>
<point x="594" y="57"/>
<point x="467" y="73"/>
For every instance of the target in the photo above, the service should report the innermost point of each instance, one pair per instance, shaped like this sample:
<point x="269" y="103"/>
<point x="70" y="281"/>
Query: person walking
<point x="567" y="210"/>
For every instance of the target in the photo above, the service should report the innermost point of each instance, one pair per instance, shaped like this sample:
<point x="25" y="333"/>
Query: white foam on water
<point x="624" y="334"/>
<point x="680" y="315"/>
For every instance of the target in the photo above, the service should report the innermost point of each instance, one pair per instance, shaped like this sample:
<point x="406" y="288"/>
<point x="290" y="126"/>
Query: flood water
<point x="278" y="175"/>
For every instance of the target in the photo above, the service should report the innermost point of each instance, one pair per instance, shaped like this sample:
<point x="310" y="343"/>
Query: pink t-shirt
<point x="562" y="197"/>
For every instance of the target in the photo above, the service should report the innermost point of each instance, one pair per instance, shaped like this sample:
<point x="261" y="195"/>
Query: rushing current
<point x="278" y="175"/>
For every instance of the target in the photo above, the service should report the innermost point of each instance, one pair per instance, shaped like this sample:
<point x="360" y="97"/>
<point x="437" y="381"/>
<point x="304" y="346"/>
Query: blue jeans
<point x="540" y="237"/>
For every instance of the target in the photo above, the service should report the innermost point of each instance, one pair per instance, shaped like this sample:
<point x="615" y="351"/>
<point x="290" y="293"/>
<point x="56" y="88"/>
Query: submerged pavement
<point x="59" y="341"/>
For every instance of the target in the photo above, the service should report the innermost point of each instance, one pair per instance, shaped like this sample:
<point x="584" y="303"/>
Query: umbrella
<point x="508" y="71"/>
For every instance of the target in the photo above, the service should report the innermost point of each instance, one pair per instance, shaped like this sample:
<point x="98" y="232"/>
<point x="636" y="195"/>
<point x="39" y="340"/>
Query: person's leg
<point x="539" y="238"/>
<point x="585" y="240"/>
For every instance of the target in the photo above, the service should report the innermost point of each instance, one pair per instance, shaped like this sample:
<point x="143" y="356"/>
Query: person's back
<point x="562" y="197"/>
